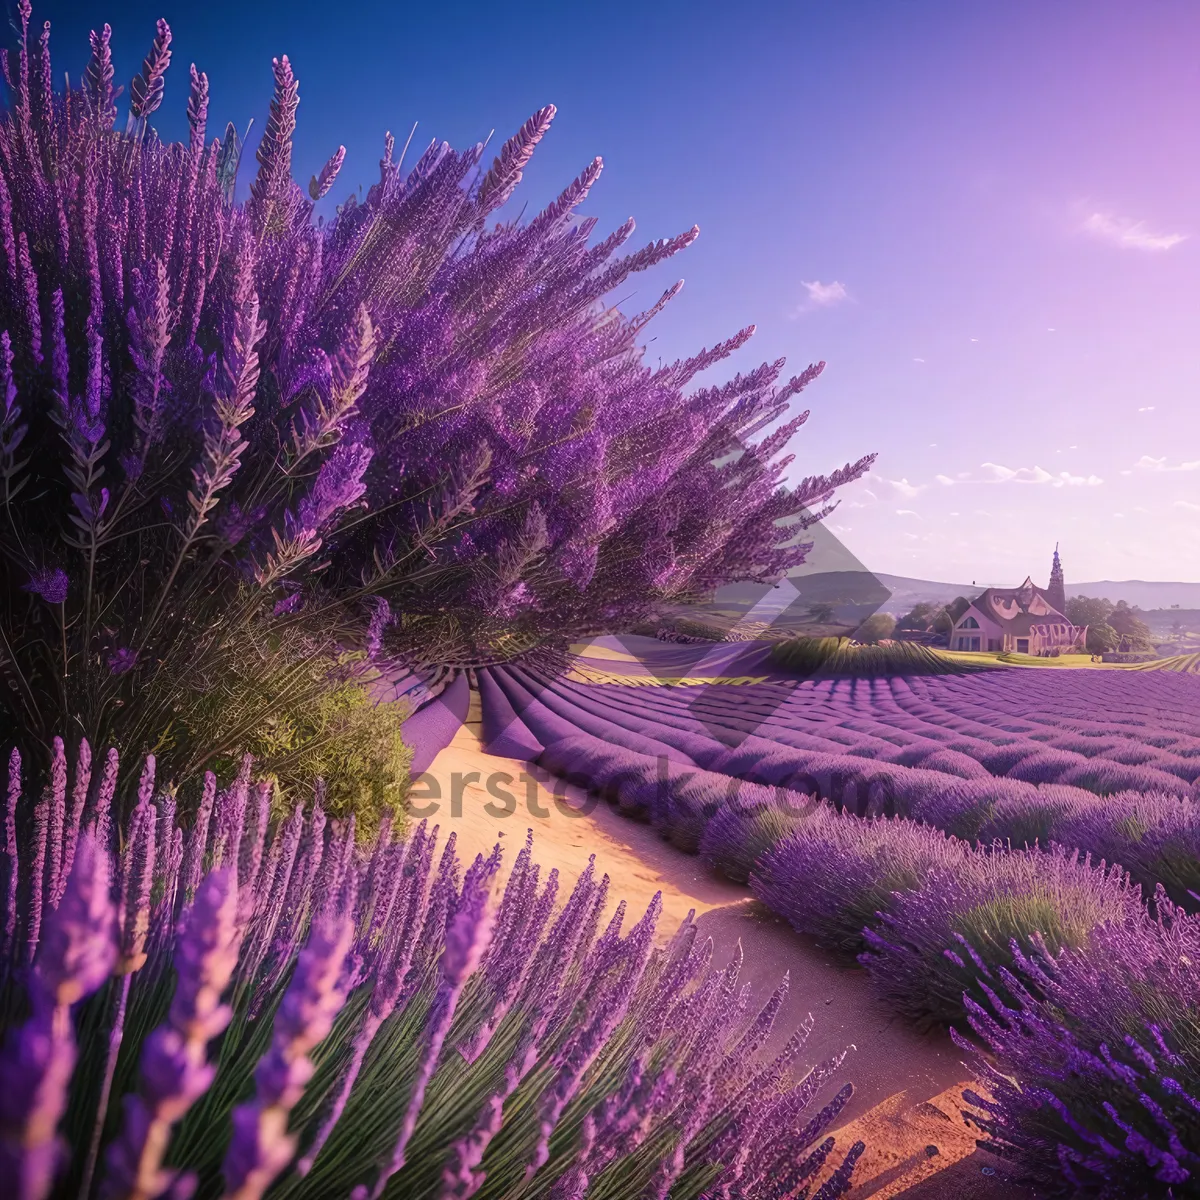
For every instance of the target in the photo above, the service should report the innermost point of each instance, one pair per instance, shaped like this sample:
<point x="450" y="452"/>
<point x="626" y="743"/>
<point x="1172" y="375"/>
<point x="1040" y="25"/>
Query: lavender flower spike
<point x="58" y="820"/>
<point x="38" y="1058"/>
<point x="319" y="185"/>
<point x="104" y="798"/>
<point x="261" y="1147"/>
<point x="175" y="1071"/>
<point x="466" y="940"/>
<point x="12" y="865"/>
<point x="83" y="777"/>
<point x="133" y="917"/>
<point x="33" y="929"/>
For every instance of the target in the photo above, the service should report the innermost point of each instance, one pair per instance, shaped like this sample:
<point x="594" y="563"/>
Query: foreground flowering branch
<point x="231" y="433"/>
<point x="325" y="1021"/>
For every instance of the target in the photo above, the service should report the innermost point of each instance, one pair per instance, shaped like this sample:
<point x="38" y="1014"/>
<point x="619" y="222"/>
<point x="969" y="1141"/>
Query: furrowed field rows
<point x="996" y="808"/>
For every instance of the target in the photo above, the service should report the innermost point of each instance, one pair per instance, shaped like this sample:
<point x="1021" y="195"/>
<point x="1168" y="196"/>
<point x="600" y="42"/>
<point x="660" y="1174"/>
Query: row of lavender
<point x="731" y="802"/>
<point x="950" y="931"/>
<point x="1101" y="731"/>
<point x="263" y="1005"/>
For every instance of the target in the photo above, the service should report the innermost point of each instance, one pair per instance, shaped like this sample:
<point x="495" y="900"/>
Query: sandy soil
<point x="907" y="1084"/>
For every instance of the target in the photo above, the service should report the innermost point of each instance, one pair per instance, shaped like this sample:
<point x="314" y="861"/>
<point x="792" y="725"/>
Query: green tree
<point x="1128" y="623"/>
<point x="1101" y="638"/>
<point x="876" y="628"/>
<point x="1086" y="610"/>
<point x="920" y="617"/>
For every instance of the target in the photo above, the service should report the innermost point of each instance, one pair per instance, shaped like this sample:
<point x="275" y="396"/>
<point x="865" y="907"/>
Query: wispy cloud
<point x="1036" y="474"/>
<point x="998" y="473"/>
<point x="1148" y="463"/>
<point x="1188" y="505"/>
<point x="897" y="487"/>
<point x="821" y="295"/>
<point x="1129" y="234"/>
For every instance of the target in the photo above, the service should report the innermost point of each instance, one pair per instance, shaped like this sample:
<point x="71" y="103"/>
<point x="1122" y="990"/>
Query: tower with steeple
<point x="1056" y="593"/>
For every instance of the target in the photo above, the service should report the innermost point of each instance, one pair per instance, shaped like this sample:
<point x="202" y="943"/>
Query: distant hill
<point x="1139" y="592"/>
<point x="906" y="592"/>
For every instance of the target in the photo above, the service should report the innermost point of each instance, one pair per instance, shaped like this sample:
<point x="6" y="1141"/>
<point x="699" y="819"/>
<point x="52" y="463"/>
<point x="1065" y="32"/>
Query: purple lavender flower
<point x="1091" y="1085"/>
<point x="11" y="860"/>
<point x="146" y="91"/>
<point x="83" y="778"/>
<point x="320" y="185"/>
<point x="38" y="1058"/>
<point x="381" y="618"/>
<point x="58" y="820"/>
<point x="466" y="940"/>
<point x="261" y="1147"/>
<point x="174" y="1069"/>
<point x="52" y="584"/>
<point x="122" y="660"/>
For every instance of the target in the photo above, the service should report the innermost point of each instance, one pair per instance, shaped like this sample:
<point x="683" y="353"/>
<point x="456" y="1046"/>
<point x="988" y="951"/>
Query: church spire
<point x="1056" y="593"/>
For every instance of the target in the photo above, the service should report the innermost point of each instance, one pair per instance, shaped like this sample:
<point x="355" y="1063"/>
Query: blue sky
<point x="984" y="216"/>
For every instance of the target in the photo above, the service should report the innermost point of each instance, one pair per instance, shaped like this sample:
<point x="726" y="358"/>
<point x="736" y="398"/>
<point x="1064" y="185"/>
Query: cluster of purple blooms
<point x="257" y="1002"/>
<point x="1092" y="1064"/>
<point x="203" y="399"/>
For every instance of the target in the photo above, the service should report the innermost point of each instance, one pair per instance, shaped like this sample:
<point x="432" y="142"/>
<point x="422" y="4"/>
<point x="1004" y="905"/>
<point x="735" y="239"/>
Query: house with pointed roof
<point x="1020" y="620"/>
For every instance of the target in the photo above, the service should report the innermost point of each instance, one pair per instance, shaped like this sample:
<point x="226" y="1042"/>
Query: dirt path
<point x="907" y="1084"/>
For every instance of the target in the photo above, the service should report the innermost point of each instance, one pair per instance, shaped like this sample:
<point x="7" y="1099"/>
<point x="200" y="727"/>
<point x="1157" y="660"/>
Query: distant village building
<point x="1020" y="620"/>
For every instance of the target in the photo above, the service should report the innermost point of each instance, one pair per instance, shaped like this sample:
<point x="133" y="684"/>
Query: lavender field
<point x="309" y="492"/>
<point x="983" y="844"/>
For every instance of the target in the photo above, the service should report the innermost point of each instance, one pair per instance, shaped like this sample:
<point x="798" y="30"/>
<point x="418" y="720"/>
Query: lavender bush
<point x="1155" y="837"/>
<point x="251" y="1004"/>
<point x="1092" y="1076"/>
<point x="242" y="448"/>
<point x="737" y="837"/>
<point x="964" y="807"/>
<point x="835" y="873"/>
<point x="951" y="935"/>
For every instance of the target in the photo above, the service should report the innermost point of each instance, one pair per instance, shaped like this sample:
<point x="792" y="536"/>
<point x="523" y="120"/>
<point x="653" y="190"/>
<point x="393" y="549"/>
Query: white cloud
<point x="997" y="473"/>
<point x="900" y="487"/>
<point x="1187" y="504"/>
<point x="1148" y="463"/>
<point x="821" y="295"/>
<point x="918" y="360"/>
<point x="1147" y="408"/>
<point x="1129" y="234"/>
<point x="944" y="480"/>
<point x="908" y="512"/>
